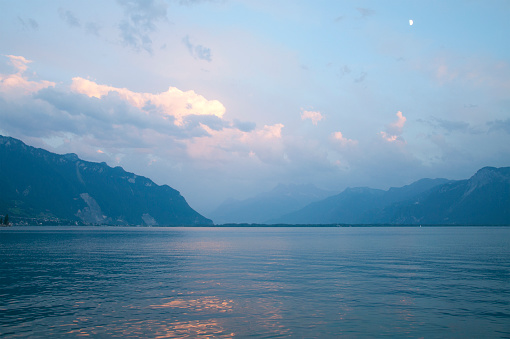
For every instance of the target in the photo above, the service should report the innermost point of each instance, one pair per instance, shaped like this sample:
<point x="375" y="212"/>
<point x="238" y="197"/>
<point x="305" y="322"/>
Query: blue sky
<point x="223" y="99"/>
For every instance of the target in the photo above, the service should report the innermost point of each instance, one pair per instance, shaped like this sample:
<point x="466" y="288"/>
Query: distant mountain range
<point x="484" y="199"/>
<point x="267" y="206"/>
<point x="35" y="183"/>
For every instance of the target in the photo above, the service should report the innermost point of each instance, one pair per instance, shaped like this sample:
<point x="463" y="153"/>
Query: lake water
<point x="411" y="282"/>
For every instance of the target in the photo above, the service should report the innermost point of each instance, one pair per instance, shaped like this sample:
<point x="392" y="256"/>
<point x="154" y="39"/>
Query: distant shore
<point x="246" y="225"/>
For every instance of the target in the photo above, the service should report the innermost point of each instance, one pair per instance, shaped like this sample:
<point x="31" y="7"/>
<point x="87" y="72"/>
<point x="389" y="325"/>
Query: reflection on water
<point x="201" y="304"/>
<point x="262" y="282"/>
<point x="154" y="329"/>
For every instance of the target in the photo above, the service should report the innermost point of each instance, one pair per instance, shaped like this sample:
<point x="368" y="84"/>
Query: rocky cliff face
<point x="38" y="183"/>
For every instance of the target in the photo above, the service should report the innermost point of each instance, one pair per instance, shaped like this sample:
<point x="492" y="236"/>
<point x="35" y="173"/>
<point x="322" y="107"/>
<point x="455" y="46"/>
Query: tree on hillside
<point x="6" y="220"/>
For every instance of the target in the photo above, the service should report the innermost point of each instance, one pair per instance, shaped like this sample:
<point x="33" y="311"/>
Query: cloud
<point x="339" y="139"/>
<point x="394" y="130"/>
<point x="244" y="126"/>
<point x="192" y="2"/>
<point x="211" y="121"/>
<point x="361" y="78"/>
<point x="140" y="18"/>
<point x="19" y="62"/>
<point x="31" y="23"/>
<point x="18" y="83"/>
<point x="92" y="28"/>
<point x="228" y="145"/>
<point x="102" y="112"/>
<point x="451" y="126"/>
<point x="398" y="125"/>
<point x="187" y="135"/>
<point x="496" y="125"/>
<point x="344" y="70"/>
<point x="271" y="131"/>
<point x="365" y="12"/>
<point x="173" y="102"/>
<point x="444" y="73"/>
<point x="109" y="121"/>
<point x="315" y="116"/>
<point x="267" y="144"/>
<point x="69" y="18"/>
<point x="172" y="126"/>
<point x="483" y="75"/>
<point x="197" y="51"/>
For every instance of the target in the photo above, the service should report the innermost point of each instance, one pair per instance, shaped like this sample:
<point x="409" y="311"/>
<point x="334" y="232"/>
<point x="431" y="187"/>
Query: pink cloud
<point x="17" y="83"/>
<point x="19" y="62"/>
<point x="394" y="130"/>
<point x="173" y="102"/>
<point x="264" y="144"/>
<point x="270" y="132"/>
<point x="343" y="141"/>
<point x="315" y="116"/>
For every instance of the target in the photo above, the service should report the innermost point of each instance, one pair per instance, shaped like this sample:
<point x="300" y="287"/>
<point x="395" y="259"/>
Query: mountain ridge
<point x="37" y="183"/>
<point x="482" y="199"/>
<point x="268" y="205"/>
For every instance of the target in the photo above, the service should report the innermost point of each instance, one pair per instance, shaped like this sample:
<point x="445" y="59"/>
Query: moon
<point x="411" y="22"/>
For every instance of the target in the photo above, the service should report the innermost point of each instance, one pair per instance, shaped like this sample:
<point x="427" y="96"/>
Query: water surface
<point x="410" y="282"/>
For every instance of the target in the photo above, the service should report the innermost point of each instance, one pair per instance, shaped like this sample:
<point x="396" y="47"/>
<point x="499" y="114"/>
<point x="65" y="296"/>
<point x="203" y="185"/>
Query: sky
<point x="228" y="98"/>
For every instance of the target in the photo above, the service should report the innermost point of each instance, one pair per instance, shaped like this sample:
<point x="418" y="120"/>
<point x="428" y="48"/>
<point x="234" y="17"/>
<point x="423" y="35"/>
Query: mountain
<point x="360" y="205"/>
<point x="35" y="183"/>
<point x="484" y="199"/>
<point x="270" y="205"/>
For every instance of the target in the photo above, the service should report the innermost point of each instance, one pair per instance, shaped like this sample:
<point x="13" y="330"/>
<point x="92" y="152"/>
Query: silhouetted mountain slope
<point x="38" y="183"/>
<point x="482" y="199"/>
<point x="359" y="205"/>
<point x="281" y="200"/>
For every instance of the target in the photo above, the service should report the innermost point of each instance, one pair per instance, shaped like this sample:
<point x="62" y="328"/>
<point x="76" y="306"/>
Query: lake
<point x="403" y="282"/>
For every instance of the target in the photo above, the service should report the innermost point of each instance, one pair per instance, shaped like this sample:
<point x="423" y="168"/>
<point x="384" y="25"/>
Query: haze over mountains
<point x="266" y="206"/>
<point x="484" y="199"/>
<point x="35" y="183"/>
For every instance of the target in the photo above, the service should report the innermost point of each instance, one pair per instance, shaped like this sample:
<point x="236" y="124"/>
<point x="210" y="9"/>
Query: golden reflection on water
<point x="208" y="328"/>
<point x="200" y="304"/>
<point x="176" y="328"/>
<point x="192" y="329"/>
<point x="192" y="317"/>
